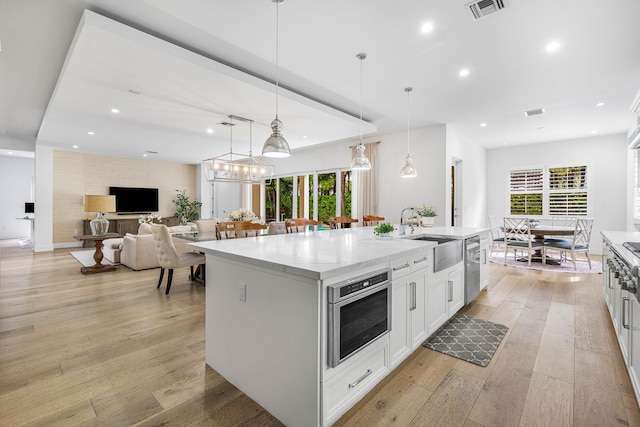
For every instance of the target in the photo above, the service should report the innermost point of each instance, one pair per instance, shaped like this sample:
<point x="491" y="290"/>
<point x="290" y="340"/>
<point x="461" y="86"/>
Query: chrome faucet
<point x="403" y="225"/>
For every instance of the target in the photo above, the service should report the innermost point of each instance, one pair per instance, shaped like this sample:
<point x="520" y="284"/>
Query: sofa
<point x="138" y="251"/>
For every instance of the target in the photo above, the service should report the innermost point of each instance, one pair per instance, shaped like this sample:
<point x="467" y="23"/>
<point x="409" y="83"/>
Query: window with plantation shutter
<point x="636" y="185"/>
<point x="568" y="191"/>
<point x="553" y="191"/>
<point x="526" y="191"/>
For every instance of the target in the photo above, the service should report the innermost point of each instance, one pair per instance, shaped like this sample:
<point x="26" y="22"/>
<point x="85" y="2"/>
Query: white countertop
<point x="323" y="254"/>
<point x="619" y="237"/>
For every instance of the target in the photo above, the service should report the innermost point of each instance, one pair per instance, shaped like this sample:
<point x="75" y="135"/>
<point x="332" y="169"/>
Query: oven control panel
<point x="353" y="286"/>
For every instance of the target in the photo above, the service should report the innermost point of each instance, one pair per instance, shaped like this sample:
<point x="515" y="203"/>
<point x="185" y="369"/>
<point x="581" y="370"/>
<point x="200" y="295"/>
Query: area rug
<point x="86" y="258"/>
<point x="467" y="338"/>
<point x="565" y="267"/>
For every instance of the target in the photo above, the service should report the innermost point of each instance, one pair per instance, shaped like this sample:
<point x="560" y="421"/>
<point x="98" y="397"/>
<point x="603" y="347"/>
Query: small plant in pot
<point x="428" y="215"/>
<point x="384" y="229"/>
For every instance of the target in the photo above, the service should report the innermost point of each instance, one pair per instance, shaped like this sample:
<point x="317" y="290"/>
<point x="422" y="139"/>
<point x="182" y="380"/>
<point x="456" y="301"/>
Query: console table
<point x="123" y="226"/>
<point x="98" y="267"/>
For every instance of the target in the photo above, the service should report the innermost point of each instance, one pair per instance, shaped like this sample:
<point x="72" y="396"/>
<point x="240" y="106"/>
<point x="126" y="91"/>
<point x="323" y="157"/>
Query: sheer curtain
<point x="368" y="183"/>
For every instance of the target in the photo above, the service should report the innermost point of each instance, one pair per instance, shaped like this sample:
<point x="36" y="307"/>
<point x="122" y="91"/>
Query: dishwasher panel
<point x="471" y="268"/>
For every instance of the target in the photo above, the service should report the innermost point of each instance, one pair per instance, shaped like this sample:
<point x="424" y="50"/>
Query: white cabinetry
<point x="445" y="296"/>
<point x="485" y="252"/>
<point x="408" y="299"/>
<point x="633" y="361"/>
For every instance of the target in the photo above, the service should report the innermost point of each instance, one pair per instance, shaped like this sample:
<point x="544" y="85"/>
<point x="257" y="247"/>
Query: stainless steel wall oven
<point x="359" y="312"/>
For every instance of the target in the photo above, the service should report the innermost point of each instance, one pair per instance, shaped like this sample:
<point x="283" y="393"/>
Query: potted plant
<point x="186" y="210"/>
<point x="384" y="229"/>
<point x="428" y="215"/>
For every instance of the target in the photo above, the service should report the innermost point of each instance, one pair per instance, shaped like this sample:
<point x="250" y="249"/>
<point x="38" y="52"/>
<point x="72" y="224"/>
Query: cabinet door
<point x="399" y="335"/>
<point x="417" y="308"/>
<point x="624" y="328"/>
<point x="437" y="302"/>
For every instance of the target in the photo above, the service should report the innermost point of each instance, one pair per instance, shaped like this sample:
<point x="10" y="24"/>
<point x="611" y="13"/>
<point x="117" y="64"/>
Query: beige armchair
<point x="169" y="258"/>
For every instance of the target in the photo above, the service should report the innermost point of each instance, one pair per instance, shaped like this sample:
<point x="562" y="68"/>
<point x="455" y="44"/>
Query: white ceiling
<point x="191" y="63"/>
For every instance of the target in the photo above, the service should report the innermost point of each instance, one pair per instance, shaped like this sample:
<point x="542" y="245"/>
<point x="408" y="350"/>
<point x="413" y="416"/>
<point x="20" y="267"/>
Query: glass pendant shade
<point x="360" y="161"/>
<point x="276" y="145"/>
<point x="408" y="171"/>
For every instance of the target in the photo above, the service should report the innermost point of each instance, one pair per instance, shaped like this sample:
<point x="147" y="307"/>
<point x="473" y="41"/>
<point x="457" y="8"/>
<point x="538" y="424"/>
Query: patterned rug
<point x="467" y="338"/>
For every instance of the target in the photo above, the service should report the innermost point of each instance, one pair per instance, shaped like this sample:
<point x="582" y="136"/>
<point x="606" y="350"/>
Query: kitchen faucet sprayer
<point x="403" y="226"/>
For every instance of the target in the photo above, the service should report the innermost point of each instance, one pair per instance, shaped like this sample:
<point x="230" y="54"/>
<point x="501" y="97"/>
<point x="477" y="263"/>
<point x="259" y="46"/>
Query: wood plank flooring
<point x="112" y="350"/>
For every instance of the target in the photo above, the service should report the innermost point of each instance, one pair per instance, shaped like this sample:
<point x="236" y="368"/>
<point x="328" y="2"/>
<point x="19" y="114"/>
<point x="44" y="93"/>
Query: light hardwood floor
<point x="110" y="349"/>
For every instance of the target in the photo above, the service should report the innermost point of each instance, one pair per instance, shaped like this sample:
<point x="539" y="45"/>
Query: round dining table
<point x="542" y="231"/>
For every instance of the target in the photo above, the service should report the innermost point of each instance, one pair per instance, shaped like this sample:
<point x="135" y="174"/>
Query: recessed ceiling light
<point x="10" y="152"/>
<point x="210" y="131"/>
<point x="600" y="104"/>
<point x="115" y="110"/>
<point x="552" y="47"/>
<point x="594" y="131"/>
<point x="145" y="155"/>
<point x="91" y="132"/>
<point x="75" y="146"/>
<point x="464" y="72"/>
<point x="427" y="27"/>
<point x="305" y="136"/>
<point x="504" y="143"/>
<point x="483" y="125"/>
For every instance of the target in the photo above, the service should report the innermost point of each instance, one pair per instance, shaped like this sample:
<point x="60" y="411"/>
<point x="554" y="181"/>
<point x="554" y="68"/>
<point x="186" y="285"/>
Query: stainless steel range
<point x="624" y="265"/>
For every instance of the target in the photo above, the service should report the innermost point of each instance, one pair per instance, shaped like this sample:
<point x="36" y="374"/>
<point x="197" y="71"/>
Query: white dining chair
<point x="497" y="236"/>
<point x="578" y="244"/>
<point x="517" y="236"/>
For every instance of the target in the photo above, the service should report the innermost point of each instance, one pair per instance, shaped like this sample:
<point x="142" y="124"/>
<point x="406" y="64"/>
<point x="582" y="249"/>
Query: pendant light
<point x="360" y="161"/>
<point x="408" y="171"/>
<point x="276" y="145"/>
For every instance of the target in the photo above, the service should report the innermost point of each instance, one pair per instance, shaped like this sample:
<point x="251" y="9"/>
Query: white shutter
<point x="568" y="194"/>
<point x="526" y="188"/>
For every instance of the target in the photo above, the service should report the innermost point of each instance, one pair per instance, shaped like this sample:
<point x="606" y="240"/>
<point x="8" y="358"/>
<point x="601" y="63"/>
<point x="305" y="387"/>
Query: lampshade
<point x="96" y="203"/>
<point x="408" y="171"/>
<point x="276" y="145"/>
<point x="99" y="204"/>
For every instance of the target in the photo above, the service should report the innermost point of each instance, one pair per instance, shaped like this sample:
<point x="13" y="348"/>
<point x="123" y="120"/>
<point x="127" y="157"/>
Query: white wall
<point x="606" y="158"/>
<point x="16" y="176"/>
<point x="473" y="186"/>
<point x="44" y="199"/>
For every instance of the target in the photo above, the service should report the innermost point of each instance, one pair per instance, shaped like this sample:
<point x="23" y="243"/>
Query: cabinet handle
<point x="625" y="299"/>
<point x="484" y="256"/>
<point x="359" y="380"/>
<point x="413" y="304"/>
<point x="450" y="283"/>
<point x="402" y="267"/>
<point x="420" y="260"/>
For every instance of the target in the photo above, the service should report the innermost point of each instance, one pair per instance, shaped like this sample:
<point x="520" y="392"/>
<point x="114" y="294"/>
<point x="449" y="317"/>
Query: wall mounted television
<point x="135" y="200"/>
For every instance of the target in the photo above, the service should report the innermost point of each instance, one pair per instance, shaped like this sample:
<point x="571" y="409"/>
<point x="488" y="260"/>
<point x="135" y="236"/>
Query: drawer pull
<point x="362" y="378"/>
<point x="402" y="267"/>
<point x="420" y="260"/>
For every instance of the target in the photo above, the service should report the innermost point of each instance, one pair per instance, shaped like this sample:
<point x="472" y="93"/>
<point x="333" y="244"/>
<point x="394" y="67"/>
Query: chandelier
<point x="236" y="167"/>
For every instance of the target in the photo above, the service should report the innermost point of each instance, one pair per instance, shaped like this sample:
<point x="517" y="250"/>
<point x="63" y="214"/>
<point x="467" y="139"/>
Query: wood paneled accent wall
<point x="77" y="174"/>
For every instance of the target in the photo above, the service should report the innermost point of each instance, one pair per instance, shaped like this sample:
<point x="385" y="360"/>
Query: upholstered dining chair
<point x="277" y="227"/>
<point x="295" y="225"/>
<point x="171" y="259"/>
<point x="368" y="220"/>
<point x="497" y="236"/>
<point x="578" y="244"/>
<point x="206" y="225"/>
<point x="341" y="222"/>
<point x="238" y="229"/>
<point x="517" y="236"/>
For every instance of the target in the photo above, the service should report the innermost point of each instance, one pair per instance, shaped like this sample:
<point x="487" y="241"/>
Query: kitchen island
<point x="267" y="315"/>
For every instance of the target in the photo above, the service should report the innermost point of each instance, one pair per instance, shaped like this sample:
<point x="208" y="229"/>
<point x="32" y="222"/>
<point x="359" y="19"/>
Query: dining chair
<point x="206" y="225"/>
<point x="277" y="227"/>
<point x="517" y="236"/>
<point x="238" y="229"/>
<point x="170" y="258"/>
<point x="562" y="222"/>
<point x="368" y="220"/>
<point x="497" y="236"/>
<point x="341" y="222"/>
<point x="578" y="244"/>
<point x="295" y="225"/>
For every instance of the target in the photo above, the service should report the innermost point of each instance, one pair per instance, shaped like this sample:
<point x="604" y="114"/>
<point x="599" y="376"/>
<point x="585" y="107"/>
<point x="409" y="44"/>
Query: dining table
<point x="540" y="232"/>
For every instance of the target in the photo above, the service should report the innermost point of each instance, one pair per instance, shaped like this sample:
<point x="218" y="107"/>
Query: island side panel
<point x="269" y="345"/>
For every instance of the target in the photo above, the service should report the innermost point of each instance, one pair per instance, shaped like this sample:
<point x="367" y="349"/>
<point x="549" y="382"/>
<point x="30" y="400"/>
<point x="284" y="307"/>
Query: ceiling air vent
<point x="482" y="8"/>
<point x="535" y="112"/>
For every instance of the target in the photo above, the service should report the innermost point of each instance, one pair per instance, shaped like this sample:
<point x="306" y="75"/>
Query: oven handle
<point x="362" y="378"/>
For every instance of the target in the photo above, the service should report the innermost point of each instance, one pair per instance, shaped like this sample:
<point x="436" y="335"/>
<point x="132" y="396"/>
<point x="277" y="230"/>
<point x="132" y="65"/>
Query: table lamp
<point x="99" y="205"/>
